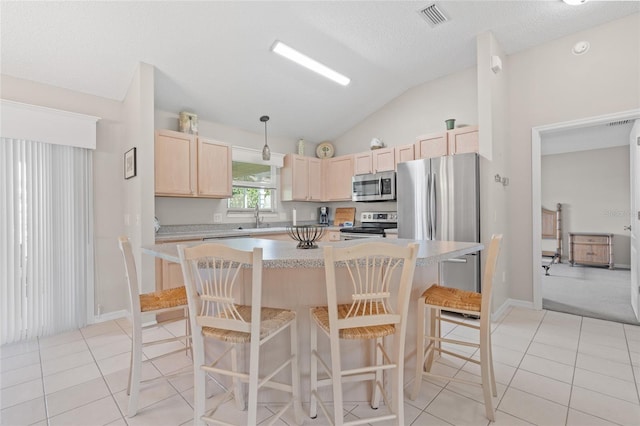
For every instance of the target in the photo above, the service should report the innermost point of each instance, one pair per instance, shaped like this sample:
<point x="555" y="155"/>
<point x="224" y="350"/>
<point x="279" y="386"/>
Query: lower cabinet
<point x="169" y="274"/>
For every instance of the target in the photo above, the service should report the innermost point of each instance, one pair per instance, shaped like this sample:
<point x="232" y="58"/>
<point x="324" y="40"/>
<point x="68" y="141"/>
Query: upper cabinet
<point x="378" y="160"/>
<point x="301" y="178"/>
<point x="337" y="173"/>
<point x="405" y="153"/>
<point x="191" y="166"/>
<point x="456" y="141"/>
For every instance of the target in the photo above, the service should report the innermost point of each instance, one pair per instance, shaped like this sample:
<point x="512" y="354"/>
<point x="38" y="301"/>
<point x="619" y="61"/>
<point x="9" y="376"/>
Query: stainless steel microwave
<point x="374" y="187"/>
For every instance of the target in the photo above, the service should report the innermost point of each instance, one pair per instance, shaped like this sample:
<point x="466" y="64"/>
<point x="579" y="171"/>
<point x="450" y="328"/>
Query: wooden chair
<point x="430" y="306"/>
<point x="214" y="277"/>
<point x="377" y="308"/>
<point x="174" y="299"/>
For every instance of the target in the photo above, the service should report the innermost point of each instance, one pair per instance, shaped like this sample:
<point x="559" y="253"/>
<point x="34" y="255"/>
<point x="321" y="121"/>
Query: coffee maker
<point x="323" y="216"/>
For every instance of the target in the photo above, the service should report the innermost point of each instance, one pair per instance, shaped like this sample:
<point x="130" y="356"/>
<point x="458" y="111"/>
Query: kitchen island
<point x="295" y="279"/>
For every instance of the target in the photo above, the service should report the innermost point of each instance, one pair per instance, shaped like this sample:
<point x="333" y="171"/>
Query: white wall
<point x="593" y="187"/>
<point x="547" y="84"/>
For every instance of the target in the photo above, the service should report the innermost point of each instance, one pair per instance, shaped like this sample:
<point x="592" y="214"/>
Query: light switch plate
<point x="217" y="218"/>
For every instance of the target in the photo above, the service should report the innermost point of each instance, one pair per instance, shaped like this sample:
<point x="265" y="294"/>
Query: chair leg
<point x="313" y="365"/>
<point x="295" y="374"/>
<point x="398" y="383"/>
<point x="199" y="379"/>
<point x="254" y="372"/>
<point x="238" y="392"/>
<point x="434" y="331"/>
<point x="490" y="358"/>
<point x="375" y="392"/>
<point x="485" y="372"/>
<point x="134" y="372"/>
<point x="417" y="383"/>
<point x="336" y="369"/>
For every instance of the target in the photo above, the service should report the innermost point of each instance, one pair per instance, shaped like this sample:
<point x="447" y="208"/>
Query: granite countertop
<point x="196" y="232"/>
<point x="284" y="254"/>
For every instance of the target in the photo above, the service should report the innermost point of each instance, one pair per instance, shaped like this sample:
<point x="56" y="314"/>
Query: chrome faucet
<point x="257" y="215"/>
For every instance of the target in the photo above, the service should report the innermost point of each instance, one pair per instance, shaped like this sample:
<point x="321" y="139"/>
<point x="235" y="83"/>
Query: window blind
<point x="46" y="246"/>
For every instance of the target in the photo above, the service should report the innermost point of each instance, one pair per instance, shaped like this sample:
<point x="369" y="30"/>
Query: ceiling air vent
<point x="433" y="15"/>
<point x="619" y="123"/>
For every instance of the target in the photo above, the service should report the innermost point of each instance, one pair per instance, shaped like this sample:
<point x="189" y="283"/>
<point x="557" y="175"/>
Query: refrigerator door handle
<point x="454" y="260"/>
<point x="429" y="236"/>
<point x="432" y="205"/>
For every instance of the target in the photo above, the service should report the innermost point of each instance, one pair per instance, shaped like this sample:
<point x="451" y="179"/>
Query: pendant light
<point x="266" y="152"/>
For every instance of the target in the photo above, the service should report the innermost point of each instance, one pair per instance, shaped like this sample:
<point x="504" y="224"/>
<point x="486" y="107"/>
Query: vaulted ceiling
<point x="213" y="57"/>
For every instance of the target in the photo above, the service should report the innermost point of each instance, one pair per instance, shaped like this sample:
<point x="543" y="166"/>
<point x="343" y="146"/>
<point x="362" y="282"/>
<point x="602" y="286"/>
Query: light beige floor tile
<point x="578" y="418"/>
<point x="116" y="348"/>
<point x="544" y="387"/>
<point x="548" y="368"/>
<point x="509" y="341"/>
<point x="516" y="331"/>
<point x="184" y="381"/>
<point x="603" y="406"/>
<point x="532" y="408"/>
<point x="632" y="332"/>
<point x="618" y="342"/>
<point x="157" y="350"/>
<point x="604" y="366"/>
<point x="25" y="413"/>
<point x="503" y="372"/>
<point x="68" y="378"/>
<point x="56" y="365"/>
<point x="76" y="396"/>
<point x="564" y="356"/>
<point x="21" y="393"/>
<point x="472" y="391"/>
<point x="603" y="327"/>
<point x="172" y="363"/>
<point x="635" y="358"/>
<point x="428" y="391"/>
<point x="100" y="328"/>
<point x="120" y="422"/>
<point x="98" y="412"/>
<point x="636" y="373"/>
<point x="18" y="348"/>
<point x="115" y="363"/>
<point x="428" y="419"/>
<point x="504" y="419"/>
<point x="64" y="349"/>
<point x="616" y="388"/>
<point x="175" y="411"/>
<point x="118" y="381"/>
<point x="634" y="345"/>
<point x="561" y="318"/>
<point x="150" y="393"/>
<point x="604" y="352"/>
<point x="60" y="339"/>
<point x="20" y="375"/>
<point x="504" y="356"/>
<point x="321" y="420"/>
<point x="288" y="417"/>
<point x="457" y="409"/>
<point x="561" y="340"/>
<point x="109" y="338"/>
<point x="364" y="410"/>
<point x="19" y="361"/>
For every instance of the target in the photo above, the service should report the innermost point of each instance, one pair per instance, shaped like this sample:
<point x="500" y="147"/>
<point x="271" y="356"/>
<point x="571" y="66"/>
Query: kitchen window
<point x="253" y="184"/>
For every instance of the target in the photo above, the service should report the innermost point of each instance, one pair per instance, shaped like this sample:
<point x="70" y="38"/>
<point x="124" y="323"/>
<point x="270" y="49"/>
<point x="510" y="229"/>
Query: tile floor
<point x="551" y="369"/>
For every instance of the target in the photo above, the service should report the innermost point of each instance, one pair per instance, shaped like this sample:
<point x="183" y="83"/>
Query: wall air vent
<point x="433" y="15"/>
<point x="619" y="123"/>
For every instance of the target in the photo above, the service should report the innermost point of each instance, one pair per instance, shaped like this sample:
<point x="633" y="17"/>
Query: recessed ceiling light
<point x="580" y="47"/>
<point x="575" y="2"/>
<point x="282" y="49"/>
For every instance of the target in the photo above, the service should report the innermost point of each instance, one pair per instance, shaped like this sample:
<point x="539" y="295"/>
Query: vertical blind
<point x="46" y="241"/>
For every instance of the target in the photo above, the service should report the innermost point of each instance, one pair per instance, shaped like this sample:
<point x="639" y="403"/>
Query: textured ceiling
<point x="213" y="58"/>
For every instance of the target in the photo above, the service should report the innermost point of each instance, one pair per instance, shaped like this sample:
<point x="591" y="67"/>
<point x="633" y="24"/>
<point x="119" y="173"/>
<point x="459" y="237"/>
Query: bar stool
<point x="159" y="302"/>
<point x="214" y="277"/>
<point x="430" y="306"/>
<point x="378" y="307"/>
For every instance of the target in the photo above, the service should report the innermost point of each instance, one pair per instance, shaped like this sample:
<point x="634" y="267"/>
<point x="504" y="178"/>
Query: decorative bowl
<point x="306" y="235"/>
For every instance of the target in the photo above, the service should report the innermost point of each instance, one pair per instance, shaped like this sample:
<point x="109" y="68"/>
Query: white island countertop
<point x="284" y="254"/>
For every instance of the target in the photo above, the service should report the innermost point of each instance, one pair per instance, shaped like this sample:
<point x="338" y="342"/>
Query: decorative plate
<point x="325" y="150"/>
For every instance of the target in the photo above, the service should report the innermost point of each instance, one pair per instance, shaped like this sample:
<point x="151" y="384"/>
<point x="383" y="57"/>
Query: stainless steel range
<point x="372" y="225"/>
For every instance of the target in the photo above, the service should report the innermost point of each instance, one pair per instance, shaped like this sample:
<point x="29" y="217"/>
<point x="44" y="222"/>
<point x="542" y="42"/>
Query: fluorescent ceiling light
<point x="282" y="49"/>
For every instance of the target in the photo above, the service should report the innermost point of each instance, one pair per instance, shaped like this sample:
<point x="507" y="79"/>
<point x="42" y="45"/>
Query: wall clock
<point x="325" y="150"/>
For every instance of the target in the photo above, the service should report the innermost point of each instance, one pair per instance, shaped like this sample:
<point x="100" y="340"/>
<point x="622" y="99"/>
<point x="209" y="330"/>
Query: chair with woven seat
<point x="216" y="277"/>
<point x="159" y="302"/>
<point x="378" y="279"/>
<point x="430" y="305"/>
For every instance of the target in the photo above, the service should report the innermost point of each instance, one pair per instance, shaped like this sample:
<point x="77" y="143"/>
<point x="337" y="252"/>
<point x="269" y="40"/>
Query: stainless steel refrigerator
<point x="439" y="199"/>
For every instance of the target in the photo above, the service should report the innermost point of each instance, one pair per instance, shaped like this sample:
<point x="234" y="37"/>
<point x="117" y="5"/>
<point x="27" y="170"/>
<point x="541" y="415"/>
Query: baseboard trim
<point x="510" y="303"/>
<point x="110" y="316"/>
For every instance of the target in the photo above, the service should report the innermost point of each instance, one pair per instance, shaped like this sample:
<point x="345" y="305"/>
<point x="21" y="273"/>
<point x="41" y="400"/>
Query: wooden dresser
<point x="591" y="249"/>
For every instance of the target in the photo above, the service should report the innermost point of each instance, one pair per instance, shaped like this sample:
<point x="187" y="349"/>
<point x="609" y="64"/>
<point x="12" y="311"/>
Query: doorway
<point x="546" y="139"/>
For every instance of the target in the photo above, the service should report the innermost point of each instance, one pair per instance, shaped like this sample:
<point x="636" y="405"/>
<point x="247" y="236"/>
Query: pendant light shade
<point x="266" y="151"/>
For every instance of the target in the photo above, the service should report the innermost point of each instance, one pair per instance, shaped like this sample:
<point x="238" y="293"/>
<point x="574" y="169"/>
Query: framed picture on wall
<point x="130" y="163"/>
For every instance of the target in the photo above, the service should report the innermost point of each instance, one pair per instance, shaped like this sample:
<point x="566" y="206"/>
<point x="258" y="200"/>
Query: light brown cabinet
<point x="591" y="249"/>
<point x="404" y="153"/>
<point x="378" y="160"/>
<point x="457" y="141"/>
<point x="191" y="166"/>
<point x="169" y="274"/>
<point x="337" y="173"/>
<point x="301" y="178"/>
<point x="362" y="163"/>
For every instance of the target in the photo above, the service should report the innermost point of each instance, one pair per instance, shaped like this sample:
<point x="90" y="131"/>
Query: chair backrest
<point x="214" y="276"/>
<point x="132" y="276"/>
<point x="489" y="272"/>
<point x="371" y="269"/>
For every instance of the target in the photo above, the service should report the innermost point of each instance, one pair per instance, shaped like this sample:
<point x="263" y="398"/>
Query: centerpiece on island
<point x="306" y="235"/>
